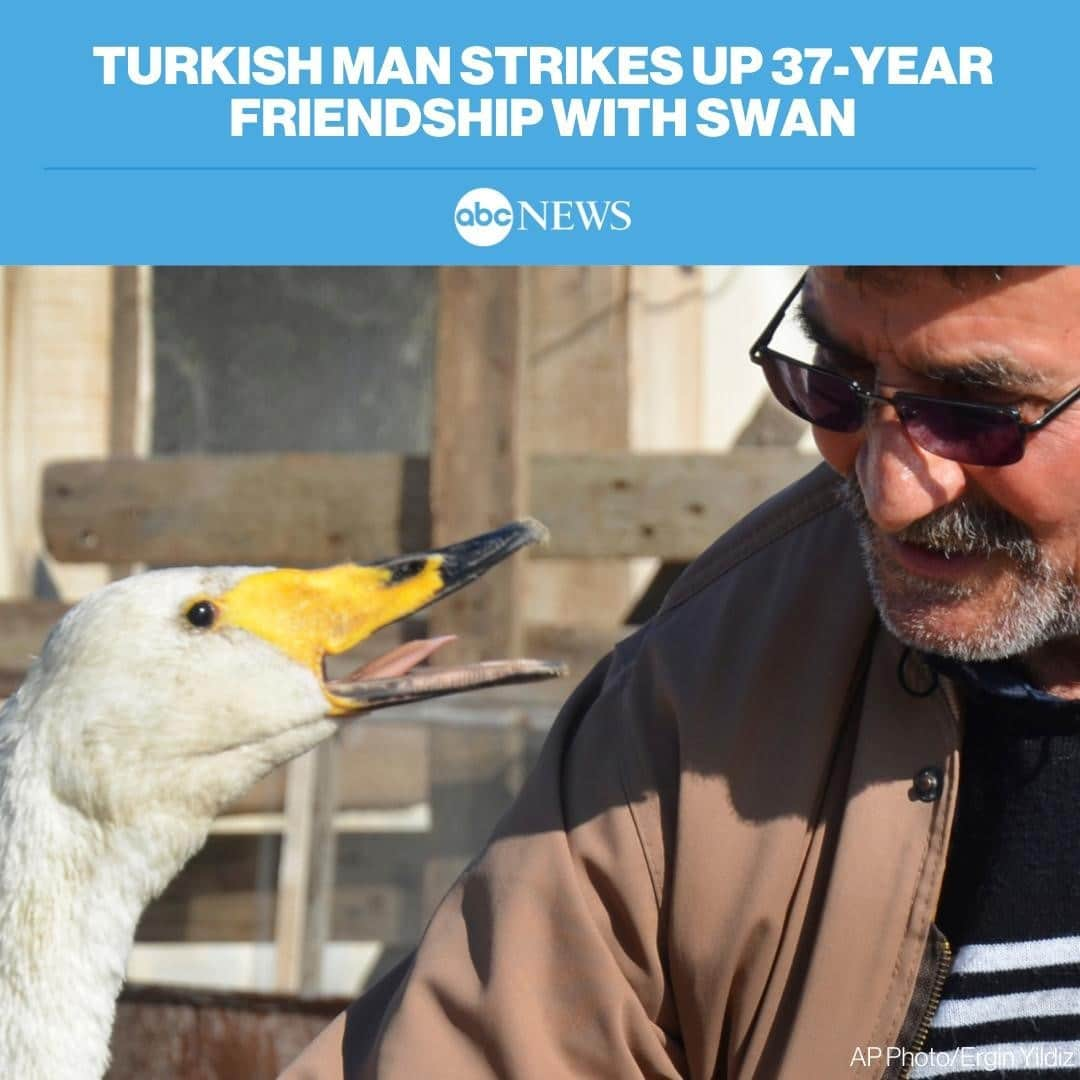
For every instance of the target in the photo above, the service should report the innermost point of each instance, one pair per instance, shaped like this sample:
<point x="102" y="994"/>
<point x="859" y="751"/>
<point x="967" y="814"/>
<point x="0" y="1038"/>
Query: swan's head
<point x="182" y="687"/>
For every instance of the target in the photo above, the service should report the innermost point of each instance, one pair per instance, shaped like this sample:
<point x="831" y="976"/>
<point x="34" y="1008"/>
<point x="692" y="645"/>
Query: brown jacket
<point x="720" y="866"/>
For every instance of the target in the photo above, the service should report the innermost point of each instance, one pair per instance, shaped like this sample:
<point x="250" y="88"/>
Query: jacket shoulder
<point x="811" y="507"/>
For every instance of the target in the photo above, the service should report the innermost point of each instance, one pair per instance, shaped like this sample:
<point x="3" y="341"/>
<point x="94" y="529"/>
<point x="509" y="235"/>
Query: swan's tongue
<point x="401" y="660"/>
<point x="392" y="679"/>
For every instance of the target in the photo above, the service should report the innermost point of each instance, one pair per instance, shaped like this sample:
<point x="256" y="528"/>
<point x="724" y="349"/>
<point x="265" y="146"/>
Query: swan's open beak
<point x="311" y="614"/>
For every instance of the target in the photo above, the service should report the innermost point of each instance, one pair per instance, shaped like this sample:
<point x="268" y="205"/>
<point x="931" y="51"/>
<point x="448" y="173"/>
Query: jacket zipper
<point x="944" y="958"/>
<point x="941" y="973"/>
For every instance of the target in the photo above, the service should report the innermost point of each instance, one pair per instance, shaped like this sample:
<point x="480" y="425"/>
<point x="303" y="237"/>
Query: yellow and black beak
<point x="310" y="614"/>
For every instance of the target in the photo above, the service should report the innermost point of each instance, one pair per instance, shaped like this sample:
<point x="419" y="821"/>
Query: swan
<point x="155" y="702"/>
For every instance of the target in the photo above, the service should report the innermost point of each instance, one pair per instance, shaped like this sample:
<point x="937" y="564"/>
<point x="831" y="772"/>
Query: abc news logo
<point x="485" y="216"/>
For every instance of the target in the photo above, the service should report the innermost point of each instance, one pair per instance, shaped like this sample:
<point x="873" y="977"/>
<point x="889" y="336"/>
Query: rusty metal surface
<point x="165" y="1033"/>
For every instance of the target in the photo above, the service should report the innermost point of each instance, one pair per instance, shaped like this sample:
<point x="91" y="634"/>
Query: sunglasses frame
<point x="761" y="350"/>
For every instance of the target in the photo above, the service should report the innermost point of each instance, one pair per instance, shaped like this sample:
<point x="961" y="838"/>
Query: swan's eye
<point x="202" y="614"/>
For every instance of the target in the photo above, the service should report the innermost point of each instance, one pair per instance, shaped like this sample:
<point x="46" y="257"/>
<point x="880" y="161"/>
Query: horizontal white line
<point x="997" y="1056"/>
<point x="1010" y="955"/>
<point x="963" y="1012"/>
<point x="248" y="965"/>
<point x="405" y="819"/>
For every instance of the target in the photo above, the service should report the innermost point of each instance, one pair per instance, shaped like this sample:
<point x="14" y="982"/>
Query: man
<point x="746" y="846"/>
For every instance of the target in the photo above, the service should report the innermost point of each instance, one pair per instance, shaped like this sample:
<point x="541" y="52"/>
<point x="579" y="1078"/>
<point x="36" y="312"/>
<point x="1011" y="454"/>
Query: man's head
<point x="970" y="561"/>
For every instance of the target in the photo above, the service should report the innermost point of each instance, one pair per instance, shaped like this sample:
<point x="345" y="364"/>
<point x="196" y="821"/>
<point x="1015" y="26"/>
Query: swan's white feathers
<point x="133" y="706"/>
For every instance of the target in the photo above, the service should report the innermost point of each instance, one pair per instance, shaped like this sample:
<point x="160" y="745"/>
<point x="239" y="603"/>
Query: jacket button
<point x="926" y="784"/>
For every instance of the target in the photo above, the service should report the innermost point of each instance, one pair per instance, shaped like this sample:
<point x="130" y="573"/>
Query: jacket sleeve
<point x="546" y="959"/>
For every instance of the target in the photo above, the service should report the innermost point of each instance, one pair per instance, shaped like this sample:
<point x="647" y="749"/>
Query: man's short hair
<point x="892" y="279"/>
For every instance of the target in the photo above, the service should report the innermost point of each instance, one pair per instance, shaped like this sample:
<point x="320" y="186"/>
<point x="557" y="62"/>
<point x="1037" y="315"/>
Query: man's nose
<point x="901" y="482"/>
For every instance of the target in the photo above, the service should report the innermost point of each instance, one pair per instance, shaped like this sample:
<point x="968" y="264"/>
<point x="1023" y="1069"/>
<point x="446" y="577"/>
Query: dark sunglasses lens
<point x="968" y="435"/>
<point x="821" y="397"/>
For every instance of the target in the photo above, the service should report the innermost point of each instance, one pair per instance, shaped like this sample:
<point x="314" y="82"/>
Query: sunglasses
<point x="964" y="431"/>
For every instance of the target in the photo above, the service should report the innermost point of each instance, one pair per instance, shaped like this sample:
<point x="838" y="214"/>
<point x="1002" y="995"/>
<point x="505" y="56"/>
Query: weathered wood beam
<point x="131" y="396"/>
<point x="667" y="505"/>
<point x="578" y="352"/>
<point x="23" y="626"/>
<point x="303" y="509"/>
<point x="306" y="870"/>
<point x="316" y="509"/>
<point x="131" y="384"/>
<point x="382" y="765"/>
<point x="478" y="458"/>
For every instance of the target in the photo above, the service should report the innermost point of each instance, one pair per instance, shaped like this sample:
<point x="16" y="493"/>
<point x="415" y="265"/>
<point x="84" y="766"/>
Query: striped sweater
<point x="1010" y="905"/>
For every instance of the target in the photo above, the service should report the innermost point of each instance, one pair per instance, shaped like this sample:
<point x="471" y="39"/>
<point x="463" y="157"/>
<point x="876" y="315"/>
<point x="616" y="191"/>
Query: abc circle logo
<point x="483" y="217"/>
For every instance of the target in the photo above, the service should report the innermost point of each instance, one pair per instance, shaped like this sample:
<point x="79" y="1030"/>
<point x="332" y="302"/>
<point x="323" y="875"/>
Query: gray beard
<point x="1043" y="604"/>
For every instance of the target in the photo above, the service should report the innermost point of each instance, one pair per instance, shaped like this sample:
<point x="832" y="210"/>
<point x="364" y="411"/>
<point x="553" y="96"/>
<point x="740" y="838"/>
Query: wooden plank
<point x="192" y="1035"/>
<point x="360" y="912"/>
<point x="738" y="302"/>
<point x="667" y="361"/>
<point x="578" y="351"/>
<point x="382" y="765"/>
<point x="321" y="843"/>
<point x="319" y="509"/>
<point x="10" y="681"/>
<point x="23" y="626"/>
<point x="131" y="390"/>
<point x="306" y="870"/>
<point x="478" y="459"/>
<point x="131" y="396"/>
<point x="668" y="505"/>
<point x="579" y="646"/>
<point x="666" y="358"/>
<point x="473" y="756"/>
<point x="281" y="509"/>
<point x="399" y="819"/>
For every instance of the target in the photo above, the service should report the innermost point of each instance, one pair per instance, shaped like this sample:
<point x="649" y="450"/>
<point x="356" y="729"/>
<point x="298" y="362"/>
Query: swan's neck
<point x="71" y="893"/>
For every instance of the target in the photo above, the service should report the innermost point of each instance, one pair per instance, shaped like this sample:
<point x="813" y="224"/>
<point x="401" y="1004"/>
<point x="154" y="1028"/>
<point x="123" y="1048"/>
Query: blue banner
<point x="563" y="133"/>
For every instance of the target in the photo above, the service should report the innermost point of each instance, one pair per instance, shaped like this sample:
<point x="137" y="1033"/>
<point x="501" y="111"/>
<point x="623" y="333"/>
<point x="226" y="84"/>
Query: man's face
<point x="966" y="561"/>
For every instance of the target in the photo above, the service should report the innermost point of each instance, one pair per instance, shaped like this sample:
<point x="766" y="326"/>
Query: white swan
<point x="154" y="704"/>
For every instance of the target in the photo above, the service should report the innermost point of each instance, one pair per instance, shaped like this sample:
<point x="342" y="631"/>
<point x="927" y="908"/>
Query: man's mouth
<point x="932" y="562"/>
<point x="950" y="544"/>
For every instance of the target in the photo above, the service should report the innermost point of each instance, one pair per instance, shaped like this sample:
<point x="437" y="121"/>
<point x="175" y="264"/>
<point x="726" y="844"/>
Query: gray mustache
<point x="961" y="528"/>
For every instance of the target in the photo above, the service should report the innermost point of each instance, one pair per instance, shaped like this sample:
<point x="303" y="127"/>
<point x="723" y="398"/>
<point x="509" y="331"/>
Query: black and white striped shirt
<point x="1010" y="905"/>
